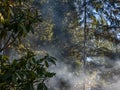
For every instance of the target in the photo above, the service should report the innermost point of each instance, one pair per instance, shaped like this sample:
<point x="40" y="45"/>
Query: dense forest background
<point x="83" y="35"/>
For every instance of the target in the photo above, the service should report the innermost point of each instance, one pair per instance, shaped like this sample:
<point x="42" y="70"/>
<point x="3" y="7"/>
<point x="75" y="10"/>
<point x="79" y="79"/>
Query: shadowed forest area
<point x="59" y="44"/>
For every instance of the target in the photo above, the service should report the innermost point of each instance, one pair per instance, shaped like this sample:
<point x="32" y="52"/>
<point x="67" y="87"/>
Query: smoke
<point x="67" y="76"/>
<point x="70" y="78"/>
<point x="114" y="86"/>
<point x="67" y="79"/>
<point x="116" y="81"/>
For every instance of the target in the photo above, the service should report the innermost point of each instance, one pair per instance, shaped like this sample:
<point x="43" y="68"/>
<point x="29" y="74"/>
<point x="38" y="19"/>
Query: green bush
<point x="26" y="73"/>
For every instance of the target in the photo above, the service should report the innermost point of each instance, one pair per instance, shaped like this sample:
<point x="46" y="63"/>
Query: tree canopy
<point x="27" y="72"/>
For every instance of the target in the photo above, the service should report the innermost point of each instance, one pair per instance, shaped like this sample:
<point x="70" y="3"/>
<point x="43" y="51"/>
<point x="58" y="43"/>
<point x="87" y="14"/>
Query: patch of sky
<point x="118" y="17"/>
<point x="118" y="36"/>
<point x="88" y="59"/>
<point x="117" y="5"/>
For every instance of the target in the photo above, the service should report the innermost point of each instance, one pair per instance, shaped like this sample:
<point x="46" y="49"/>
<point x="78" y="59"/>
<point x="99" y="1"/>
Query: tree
<point x="100" y="20"/>
<point x="17" y="19"/>
<point x="102" y="24"/>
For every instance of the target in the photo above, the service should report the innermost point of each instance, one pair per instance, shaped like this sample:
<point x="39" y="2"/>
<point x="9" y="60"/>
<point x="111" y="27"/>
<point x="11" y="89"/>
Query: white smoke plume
<point x="67" y="79"/>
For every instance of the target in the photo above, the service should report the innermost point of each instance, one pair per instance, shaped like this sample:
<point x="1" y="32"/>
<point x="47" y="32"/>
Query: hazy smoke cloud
<point x="67" y="79"/>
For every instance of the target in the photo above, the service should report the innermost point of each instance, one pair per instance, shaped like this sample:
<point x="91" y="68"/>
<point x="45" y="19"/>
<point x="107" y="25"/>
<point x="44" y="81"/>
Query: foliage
<point x="25" y="73"/>
<point x="99" y="12"/>
<point x="17" y="20"/>
<point x="101" y="34"/>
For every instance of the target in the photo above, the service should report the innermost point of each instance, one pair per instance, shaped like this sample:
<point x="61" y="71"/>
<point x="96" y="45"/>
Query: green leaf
<point x="32" y="74"/>
<point x="41" y="71"/>
<point x="2" y="84"/>
<point x="11" y="12"/>
<point x="42" y="86"/>
<point x="53" y="58"/>
<point x="41" y="60"/>
<point x="49" y="74"/>
<point x="18" y="75"/>
<point x="32" y="30"/>
<point x="33" y="61"/>
<point x="28" y="86"/>
<point x="14" y="79"/>
<point x="7" y="76"/>
<point x="4" y="58"/>
<point x="53" y="61"/>
<point x="46" y="64"/>
<point x="3" y="34"/>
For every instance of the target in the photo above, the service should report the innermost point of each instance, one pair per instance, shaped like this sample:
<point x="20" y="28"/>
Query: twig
<point x="8" y="43"/>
